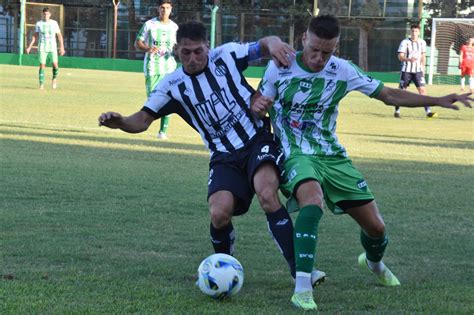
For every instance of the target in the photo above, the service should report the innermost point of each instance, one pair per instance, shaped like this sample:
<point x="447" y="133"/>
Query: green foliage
<point x="97" y="221"/>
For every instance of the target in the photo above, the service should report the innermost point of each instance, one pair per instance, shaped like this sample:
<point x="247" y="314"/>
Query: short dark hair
<point x="415" y="26"/>
<point x="325" y="26"/>
<point x="45" y="9"/>
<point x="195" y="31"/>
<point x="161" y="2"/>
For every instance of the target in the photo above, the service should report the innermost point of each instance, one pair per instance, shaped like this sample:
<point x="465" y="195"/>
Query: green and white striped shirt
<point x="306" y="103"/>
<point x="47" y="35"/>
<point x="154" y="33"/>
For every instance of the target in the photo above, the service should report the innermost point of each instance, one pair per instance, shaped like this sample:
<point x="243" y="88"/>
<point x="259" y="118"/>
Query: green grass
<point x="94" y="220"/>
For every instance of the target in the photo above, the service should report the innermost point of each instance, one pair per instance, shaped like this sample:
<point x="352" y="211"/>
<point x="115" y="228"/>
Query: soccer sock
<point x="463" y="82"/>
<point x="55" y="73"/>
<point x="471" y="83"/>
<point x="303" y="282"/>
<point x="164" y="123"/>
<point x="223" y="239"/>
<point x="41" y="76"/>
<point x="306" y="233"/>
<point x="397" y="109"/>
<point x="427" y="109"/>
<point x="374" y="250"/>
<point x="280" y="227"/>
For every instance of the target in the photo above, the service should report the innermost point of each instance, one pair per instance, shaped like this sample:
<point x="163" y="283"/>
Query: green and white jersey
<point x="305" y="109"/>
<point x="47" y="35"/>
<point x="154" y="33"/>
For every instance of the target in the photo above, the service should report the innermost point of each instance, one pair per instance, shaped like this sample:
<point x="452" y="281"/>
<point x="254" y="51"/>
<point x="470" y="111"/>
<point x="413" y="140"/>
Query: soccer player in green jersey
<point x="157" y="38"/>
<point x="46" y="32"/>
<point x="302" y="100"/>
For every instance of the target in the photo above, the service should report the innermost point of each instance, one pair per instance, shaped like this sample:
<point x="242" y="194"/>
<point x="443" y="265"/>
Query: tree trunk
<point x="363" y="48"/>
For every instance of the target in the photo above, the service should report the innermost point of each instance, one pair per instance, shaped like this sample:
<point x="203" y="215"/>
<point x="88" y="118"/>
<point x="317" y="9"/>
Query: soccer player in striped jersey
<point x="303" y="101"/>
<point x="209" y="91"/>
<point x="466" y="64"/>
<point x="157" y="38"/>
<point x="46" y="32"/>
<point x="412" y="54"/>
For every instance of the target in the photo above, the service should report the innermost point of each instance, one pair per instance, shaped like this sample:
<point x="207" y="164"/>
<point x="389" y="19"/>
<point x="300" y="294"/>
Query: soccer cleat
<point x="41" y="86"/>
<point x="55" y="84"/>
<point x="386" y="278"/>
<point x="317" y="277"/>
<point x="162" y="135"/>
<point x="432" y="115"/>
<point x="304" y="300"/>
<point x="396" y="115"/>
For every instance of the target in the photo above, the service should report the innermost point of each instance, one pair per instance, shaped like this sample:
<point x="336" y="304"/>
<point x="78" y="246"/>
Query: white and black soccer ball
<point x="220" y="276"/>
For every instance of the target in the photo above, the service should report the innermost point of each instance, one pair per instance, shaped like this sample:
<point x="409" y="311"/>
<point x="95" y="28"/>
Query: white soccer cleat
<point x="162" y="135"/>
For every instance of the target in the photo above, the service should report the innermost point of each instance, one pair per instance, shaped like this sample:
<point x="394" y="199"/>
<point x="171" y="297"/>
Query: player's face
<point x="165" y="11"/>
<point x="46" y="15"/>
<point x="317" y="51"/>
<point x="415" y="33"/>
<point x="192" y="54"/>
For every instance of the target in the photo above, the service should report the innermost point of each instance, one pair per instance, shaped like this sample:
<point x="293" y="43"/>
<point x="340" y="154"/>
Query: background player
<point x="466" y="64"/>
<point x="46" y="31"/>
<point x="157" y="38"/>
<point x="412" y="54"/>
<point x="317" y="167"/>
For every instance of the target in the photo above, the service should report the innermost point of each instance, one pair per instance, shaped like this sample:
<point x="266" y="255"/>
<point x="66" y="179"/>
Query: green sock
<point x="164" y="123"/>
<point x="41" y="76"/>
<point x="306" y="236"/>
<point x="55" y="73"/>
<point x="374" y="247"/>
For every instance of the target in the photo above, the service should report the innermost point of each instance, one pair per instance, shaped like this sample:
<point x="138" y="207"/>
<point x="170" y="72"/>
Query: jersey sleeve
<point x="267" y="86"/>
<point x="358" y="80"/>
<point x="239" y="53"/>
<point x="57" y="30"/>
<point x="142" y="33"/>
<point x="37" y="27"/>
<point x="403" y="47"/>
<point x="423" y="47"/>
<point x="160" y="103"/>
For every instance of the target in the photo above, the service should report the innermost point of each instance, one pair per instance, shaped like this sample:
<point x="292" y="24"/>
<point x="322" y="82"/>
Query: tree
<point x="368" y="9"/>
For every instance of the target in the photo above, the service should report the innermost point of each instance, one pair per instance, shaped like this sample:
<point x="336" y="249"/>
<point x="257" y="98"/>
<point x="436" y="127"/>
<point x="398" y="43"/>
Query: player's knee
<point x="221" y="216"/>
<point x="268" y="198"/>
<point x="376" y="229"/>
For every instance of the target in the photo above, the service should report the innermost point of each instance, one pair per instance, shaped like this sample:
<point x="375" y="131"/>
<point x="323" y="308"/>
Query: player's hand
<point x="280" y="52"/>
<point x="448" y="101"/>
<point x="154" y="50"/>
<point x="261" y="105"/>
<point x="28" y="49"/>
<point x="62" y="51"/>
<point x="110" y="119"/>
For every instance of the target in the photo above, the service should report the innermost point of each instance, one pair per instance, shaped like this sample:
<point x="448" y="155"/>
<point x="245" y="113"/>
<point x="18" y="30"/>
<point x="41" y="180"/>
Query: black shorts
<point x="407" y="77"/>
<point x="234" y="171"/>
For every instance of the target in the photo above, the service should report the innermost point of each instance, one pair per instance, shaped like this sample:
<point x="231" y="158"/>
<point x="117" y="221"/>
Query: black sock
<point x="280" y="227"/>
<point x="223" y="239"/>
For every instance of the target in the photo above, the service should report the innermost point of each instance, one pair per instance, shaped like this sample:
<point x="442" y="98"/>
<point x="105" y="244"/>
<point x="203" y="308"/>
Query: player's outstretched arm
<point x="403" y="98"/>
<point x="278" y="50"/>
<point x="260" y="105"/>
<point x="138" y="122"/>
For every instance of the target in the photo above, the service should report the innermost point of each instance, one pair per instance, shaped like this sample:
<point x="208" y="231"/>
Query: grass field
<point x="94" y="220"/>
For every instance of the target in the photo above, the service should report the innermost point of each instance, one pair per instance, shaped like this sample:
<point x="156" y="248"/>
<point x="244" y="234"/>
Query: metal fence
<point x="88" y="25"/>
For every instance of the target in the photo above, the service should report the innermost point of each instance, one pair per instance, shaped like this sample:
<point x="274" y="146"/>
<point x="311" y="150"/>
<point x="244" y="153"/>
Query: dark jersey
<point x="215" y="102"/>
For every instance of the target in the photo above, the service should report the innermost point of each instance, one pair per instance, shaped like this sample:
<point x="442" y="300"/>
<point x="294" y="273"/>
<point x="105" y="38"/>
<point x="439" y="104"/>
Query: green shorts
<point x="151" y="82"/>
<point x="339" y="179"/>
<point x="43" y="56"/>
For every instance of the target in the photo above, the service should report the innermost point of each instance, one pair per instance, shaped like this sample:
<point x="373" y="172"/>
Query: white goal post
<point x="447" y="36"/>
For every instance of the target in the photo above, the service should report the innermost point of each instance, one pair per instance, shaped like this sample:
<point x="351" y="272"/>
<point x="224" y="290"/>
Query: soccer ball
<point x="220" y="276"/>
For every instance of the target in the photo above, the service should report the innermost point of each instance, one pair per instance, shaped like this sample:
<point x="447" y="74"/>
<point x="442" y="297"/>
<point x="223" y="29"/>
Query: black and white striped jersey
<point x="412" y="49"/>
<point x="215" y="102"/>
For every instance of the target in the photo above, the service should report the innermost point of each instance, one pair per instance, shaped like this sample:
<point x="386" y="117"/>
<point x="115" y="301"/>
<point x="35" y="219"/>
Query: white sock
<point x="376" y="267"/>
<point x="471" y="83"/>
<point x="303" y="282"/>
<point x="463" y="83"/>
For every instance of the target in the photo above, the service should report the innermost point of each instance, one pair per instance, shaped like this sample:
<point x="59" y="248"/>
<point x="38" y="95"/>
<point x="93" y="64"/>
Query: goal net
<point x="447" y="37"/>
